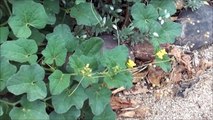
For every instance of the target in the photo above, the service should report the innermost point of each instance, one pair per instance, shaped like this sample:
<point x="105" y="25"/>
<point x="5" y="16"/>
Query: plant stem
<point x="7" y="6"/>
<point x="9" y="103"/>
<point x="76" y="86"/>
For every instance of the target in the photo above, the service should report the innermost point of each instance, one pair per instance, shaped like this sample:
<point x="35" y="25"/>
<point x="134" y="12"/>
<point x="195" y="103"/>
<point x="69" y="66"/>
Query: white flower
<point x="115" y="27"/>
<point x="161" y="22"/>
<point x="155" y="34"/>
<point x="111" y="7"/>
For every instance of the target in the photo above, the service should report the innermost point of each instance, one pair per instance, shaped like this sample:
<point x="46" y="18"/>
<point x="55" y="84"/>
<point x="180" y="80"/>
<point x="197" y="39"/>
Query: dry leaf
<point x="129" y="114"/>
<point x="117" y="103"/>
<point x="155" y="75"/>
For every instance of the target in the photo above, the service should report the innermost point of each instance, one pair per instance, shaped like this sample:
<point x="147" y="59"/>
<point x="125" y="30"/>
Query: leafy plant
<point x="52" y="62"/>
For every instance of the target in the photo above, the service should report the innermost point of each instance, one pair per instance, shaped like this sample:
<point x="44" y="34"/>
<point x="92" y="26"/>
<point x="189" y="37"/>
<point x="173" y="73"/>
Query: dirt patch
<point x="190" y="101"/>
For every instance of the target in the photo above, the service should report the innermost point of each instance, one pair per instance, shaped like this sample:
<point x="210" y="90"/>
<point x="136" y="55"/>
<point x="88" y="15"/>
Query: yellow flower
<point x="130" y="63"/>
<point x="161" y="53"/>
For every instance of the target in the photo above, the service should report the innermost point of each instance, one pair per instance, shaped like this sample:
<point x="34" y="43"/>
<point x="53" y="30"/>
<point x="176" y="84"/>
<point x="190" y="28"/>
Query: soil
<point x="196" y="101"/>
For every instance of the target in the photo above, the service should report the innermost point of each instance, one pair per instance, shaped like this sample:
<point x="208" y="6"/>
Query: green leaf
<point x="167" y="33"/>
<point x="29" y="111"/>
<point x="52" y="7"/>
<point x="26" y="14"/>
<point x="163" y="63"/>
<point x="90" y="47"/>
<point x="58" y="82"/>
<point x="63" y="102"/>
<point x="99" y="97"/>
<point x="29" y="79"/>
<point x="122" y="79"/>
<point x="78" y="63"/>
<point x="117" y="56"/>
<point x="162" y="5"/>
<point x="21" y="50"/>
<point x="143" y="16"/>
<point x="62" y="32"/>
<point x="4" y="32"/>
<point x="85" y="14"/>
<point x="6" y="71"/>
<point x="1" y="111"/>
<point x="37" y="36"/>
<point x="72" y="114"/>
<point x="107" y="114"/>
<point x="55" y="51"/>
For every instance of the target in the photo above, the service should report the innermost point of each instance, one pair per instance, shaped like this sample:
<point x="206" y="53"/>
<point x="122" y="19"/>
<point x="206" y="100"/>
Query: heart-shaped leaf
<point x="143" y="16"/>
<point x="85" y="14"/>
<point x="29" y="79"/>
<point x="99" y="97"/>
<point x="25" y="14"/>
<point x="72" y="114"/>
<point x="6" y="71"/>
<point x="55" y="51"/>
<point x="74" y="97"/>
<point x="164" y="5"/>
<point x="21" y="50"/>
<point x="58" y="82"/>
<point x="52" y="7"/>
<point x="62" y="32"/>
<point x="90" y="47"/>
<point x="29" y="111"/>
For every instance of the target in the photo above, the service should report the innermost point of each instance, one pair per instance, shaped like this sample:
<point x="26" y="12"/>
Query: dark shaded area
<point x="197" y="27"/>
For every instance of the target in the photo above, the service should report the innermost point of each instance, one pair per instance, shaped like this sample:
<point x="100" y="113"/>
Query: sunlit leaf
<point x="29" y="80"/>
<point x="21" y="50"/>
<point x="6" y="71"/>
<point x="27" y="14"/>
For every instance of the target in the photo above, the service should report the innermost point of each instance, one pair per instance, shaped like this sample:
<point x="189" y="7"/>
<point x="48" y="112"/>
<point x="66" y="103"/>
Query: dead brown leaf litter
<point x="186" y="93"/>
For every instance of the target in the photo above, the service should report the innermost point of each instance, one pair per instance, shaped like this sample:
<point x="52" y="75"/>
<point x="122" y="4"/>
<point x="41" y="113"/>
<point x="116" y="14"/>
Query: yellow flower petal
<point x="130" y="63"/>
<point x="161" y="53"/>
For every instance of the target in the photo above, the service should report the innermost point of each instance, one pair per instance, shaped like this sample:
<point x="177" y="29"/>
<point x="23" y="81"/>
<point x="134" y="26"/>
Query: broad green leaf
<point x="99" y="97"/>
<point x="78" y="63"/>
<point x="29" y="79"/>
<point x="163" y="63"/>
<point x="27" y="14"/>
<point x="52" y="7"/>
<point x="55" y="51"/>
<point x="90" y="47"/>
<point x="1" y="111"/>
<point x="4" y="32"/>
<point x="29" y="111"/>
<point x="37" y="36"/>
<point x="164" y="5"/>
<point x="58" y="82"/>
<point x="167" y="33"/>
<point x="74" y="97"/>
<point x="107" y="114"/>
<point x="6" y="71"/>
<point x="62" y="32"/>
<point x="143" y="16"/>
<point x="21" y="50"/>
<point x="117" y="56"/>
<point x="122" y="79"/>
<point x="72" y="114"/>
<point x="85" y="14"/>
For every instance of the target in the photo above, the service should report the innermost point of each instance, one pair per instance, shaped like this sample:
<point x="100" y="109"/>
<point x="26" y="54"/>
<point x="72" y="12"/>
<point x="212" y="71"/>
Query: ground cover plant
<point x="53" y="65"/>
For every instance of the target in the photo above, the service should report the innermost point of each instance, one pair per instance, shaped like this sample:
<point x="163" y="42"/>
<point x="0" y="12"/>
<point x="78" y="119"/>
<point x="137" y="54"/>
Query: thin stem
<point x="48" y="98"/>
<point x="7" y="6"/>
<point x="99" y="22"/>
<point x="9" y="103"/>
<point x="76" y="86"/>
